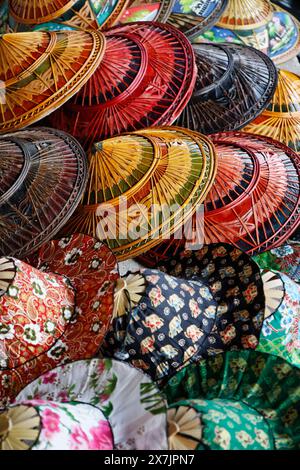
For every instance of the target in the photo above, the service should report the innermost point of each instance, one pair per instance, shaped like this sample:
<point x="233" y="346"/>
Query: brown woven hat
<point x="43" y="173"/>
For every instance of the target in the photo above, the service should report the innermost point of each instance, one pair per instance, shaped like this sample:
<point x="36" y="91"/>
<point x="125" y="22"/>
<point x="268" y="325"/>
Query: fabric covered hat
<point x="254" y="202"/>
<point x="147" y="10"/>
<point x="135" y="407"/>
<point x="259" y="24"/>
<point x="234" y="84"/>
<point x="210" y="301"/>
<point x="285" y="258"/>
<point x="54" y="311"/>
<point x="47" y="15"/>
<point x="244" y="400"/>
<point x="40" y="71"/>
<point x="280" y="331"/>
<point x="41" y="425"/>
<point x="43" y="174"/>
<point x="150" y="95"/>
<point x="166" y="171"/>
<point x="281" y="119"/>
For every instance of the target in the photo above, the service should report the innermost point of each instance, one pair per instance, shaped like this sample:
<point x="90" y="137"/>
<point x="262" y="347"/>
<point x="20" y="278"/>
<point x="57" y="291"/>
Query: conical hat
<point x="194" y="17"/>
<point x="245" y="399"/>
<point x="3" y="16"/>
<point x="259" y="24"/>
<point x="64" y="14"/>
<point x="135" y="407"/>
<point x="41" y="425"/>
<point x="147" y="10"/>
<point x="281" y="119"/>
<point x="180" y="178"/>
<point x="254" y="202"/>
<point x="40" y="71"/>
<point x="234" y="84"/>
<point x="43" y="176"/>
<point x="155" y="95"/>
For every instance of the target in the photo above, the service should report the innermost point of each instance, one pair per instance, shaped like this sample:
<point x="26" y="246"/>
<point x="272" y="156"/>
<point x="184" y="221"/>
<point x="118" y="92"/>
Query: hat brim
<point x="133" y="404"/>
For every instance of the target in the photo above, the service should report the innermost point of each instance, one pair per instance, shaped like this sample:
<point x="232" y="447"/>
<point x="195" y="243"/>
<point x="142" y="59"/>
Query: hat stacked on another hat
<point x="243" y="400"/>
<point x="45" y="425"/>
<point x="281" y="119"/>
<point x="260" y="24"/>
<point x="142" y="187"/>
<point x="43" y="174"/>
<point x="40" y="71"/>
<point x="47" y="15"/>
<point x="56" y="310"/>
<point x="127" y="397"/>
<point x="234" y="85"/>
<point x="147" y="82"/>
<point x="199" y="304"/>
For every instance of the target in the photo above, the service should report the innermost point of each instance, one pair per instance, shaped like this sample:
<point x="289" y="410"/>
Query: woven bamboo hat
<point x="281" y="119"/>
<point x="234" y="85"/>
<point x="147" y="10"/>
<point x="133" y="88"/>
<point x="260" y="24"/>
<point x="47" y="15"/>
<point x="43" y="173"/>
<point x="40" y="71"/>
<point x="168" y="172"/>
<point x="47" y="425"/>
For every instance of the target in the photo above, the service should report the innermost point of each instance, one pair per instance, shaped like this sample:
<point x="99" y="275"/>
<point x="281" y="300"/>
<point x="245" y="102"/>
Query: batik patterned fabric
<point x="169" y="325"/>
<point x="237" y="287"/>
<point x="47" y="318"/>
<point x="247" y="383"/>
<point x="58" y="426"/>
<point x="285" y="258"/>
<point x="281" y="331"/>
<point x="126" y="396"/>
<point x="229" y="425"/>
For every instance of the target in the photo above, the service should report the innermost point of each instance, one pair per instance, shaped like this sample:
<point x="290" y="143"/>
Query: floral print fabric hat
<point x="55" y="310"/>
<point x="133" y="404"/>
<point x="41" y="425"/>
<point x="280" y="331"/>
<point x="244" y="400"/>
<point x="210" y="301"/>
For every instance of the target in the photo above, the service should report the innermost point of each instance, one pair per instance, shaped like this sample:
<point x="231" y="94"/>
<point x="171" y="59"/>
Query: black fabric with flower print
<point x="167" y="327"/>
<point x="236" y="283"/>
